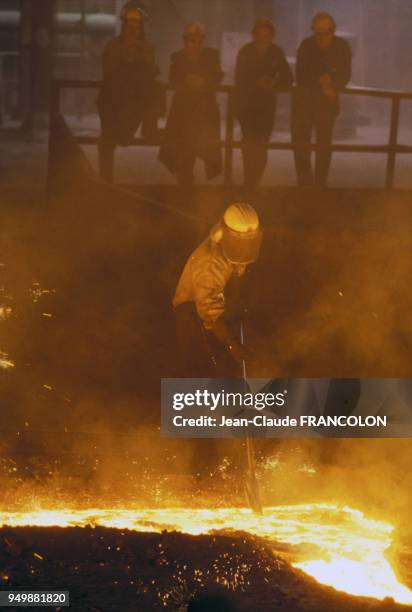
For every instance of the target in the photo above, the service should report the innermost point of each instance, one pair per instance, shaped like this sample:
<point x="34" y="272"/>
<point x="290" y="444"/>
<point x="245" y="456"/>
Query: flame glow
<point x="5" y="362"/>
<point x="338" y="546"/>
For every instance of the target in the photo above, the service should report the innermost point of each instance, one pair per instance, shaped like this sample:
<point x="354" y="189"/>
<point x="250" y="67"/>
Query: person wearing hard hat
<point x="261" y="70"/>
<point x="193" y="124"/>
<point x="129" y="95"/>
<point x="208" y="343"/>
<point x="323" y="68"/>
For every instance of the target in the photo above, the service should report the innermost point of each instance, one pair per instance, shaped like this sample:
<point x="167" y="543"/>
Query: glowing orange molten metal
<point x="338" y="546"/>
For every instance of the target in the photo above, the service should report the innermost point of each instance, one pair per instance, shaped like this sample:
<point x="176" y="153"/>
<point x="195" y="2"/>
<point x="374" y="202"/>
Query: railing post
<point x="230" y="121"/>
<point x="393" y="142"/>
<point x="55" y="98"/>
<point x="54" y="110"/>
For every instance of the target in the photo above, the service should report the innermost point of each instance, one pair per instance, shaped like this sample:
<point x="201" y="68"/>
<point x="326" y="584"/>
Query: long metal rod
<point x="252" y="484"/>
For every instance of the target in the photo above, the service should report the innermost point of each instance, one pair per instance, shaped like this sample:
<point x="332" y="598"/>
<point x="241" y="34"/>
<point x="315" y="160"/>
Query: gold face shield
<point x="241" y="247"/>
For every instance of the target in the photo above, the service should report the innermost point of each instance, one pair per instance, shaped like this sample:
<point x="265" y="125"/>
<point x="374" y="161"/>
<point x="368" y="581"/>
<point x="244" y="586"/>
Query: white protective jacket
<point x="204" y="278"/>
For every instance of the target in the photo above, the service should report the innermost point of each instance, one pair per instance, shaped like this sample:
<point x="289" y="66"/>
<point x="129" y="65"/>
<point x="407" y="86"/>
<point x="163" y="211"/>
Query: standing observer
<point x="261" y="70"/>
<point x="323" y="67"/>
<point x="193" y="124"/>
<point x="129" y="95"/>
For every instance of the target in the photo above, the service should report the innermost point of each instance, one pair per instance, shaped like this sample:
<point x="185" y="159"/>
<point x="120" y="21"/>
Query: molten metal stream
<point x="341" y="547"/>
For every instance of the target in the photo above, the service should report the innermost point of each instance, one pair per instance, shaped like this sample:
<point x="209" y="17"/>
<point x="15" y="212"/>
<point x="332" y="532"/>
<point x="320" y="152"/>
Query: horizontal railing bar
<point x="357" y="91"/>
<point x="279" y="146"/>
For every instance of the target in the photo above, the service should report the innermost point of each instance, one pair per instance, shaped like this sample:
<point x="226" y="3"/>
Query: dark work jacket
<point x="312" y="63"/>
<point x="193" y="124"/>
<point x="129" y="88"/>
<point x="250" y="67"/>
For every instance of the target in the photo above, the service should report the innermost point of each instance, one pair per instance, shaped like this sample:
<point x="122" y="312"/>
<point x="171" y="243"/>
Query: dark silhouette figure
<point x="193" y="125"/>
<point x="129" y="96"/>
<point x="261" y="69"/>
<point x="323" y="67"/>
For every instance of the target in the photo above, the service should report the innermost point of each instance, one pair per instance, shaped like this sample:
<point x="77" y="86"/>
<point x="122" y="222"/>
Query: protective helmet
<point x="326" y="20"/>
<point x="264" y="22"/>
<point x="134" y="11"/>
<point x="194" y="29"/>
<point x="242" y="235"/>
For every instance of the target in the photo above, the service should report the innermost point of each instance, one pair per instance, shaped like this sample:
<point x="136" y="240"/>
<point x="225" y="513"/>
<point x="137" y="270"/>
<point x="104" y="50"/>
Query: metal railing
<point x="229" y="144"/>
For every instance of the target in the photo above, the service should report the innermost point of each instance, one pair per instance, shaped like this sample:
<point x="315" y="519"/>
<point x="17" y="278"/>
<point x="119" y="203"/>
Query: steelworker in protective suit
<point x="261" y="70"/>
<point x="129" y="96"/>
<point x="193" y="124"/>
<point x="323" y="67"/>
<point x="206" y="327"/>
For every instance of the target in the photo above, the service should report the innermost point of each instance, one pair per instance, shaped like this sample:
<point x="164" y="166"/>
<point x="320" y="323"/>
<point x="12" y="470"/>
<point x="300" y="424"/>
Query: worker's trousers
<point x="257" y="128"/>
<point x="312" y="112"/>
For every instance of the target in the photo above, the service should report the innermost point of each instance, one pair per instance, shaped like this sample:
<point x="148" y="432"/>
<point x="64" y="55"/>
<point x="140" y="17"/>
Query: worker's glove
<point x="239" y="352"/>
<point x="222" y="332"/>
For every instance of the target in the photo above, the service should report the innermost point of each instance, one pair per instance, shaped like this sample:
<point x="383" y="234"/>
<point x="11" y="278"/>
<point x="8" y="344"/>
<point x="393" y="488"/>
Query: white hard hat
<point x="241" y="217"/>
